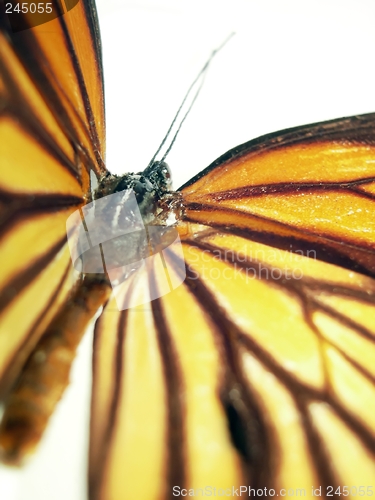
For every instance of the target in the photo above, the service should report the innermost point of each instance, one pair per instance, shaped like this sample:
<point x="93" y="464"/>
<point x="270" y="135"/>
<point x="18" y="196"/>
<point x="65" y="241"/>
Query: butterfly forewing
<point x="52" y="135"/>
<point x="310" y="187"/>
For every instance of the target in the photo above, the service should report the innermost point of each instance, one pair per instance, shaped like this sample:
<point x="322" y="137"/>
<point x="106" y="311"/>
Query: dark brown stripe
<point x="302" y="288"/>
<point x="24" y="207"/>
<point x="31" y="54"/>
<point x="97" y="470"/>
<point x="310" y="307"/>
<point x="34" y="128"/>
<point x="19" y="282"/>
<point x="30" y="201"/>
<point x="24" y="348"/>
<point x="321" y="460"/>
<point x="91" y="16"/>
<point x="244" y="264"/>
<point x="176" y="469"/>
<point x="281" y="188"/>
<point x="300" y="392"/>
<point x="326" y="247"/>
<point x="257" y="458"/>
<point x="93" y="23"/>
<point x="244" y="417"/>
<point x="292" y="285"/>
<point x="367" y="295"/>
<point x="198" y="207"/>
<point x="324" y="468"/>
<point x="19" y="108"/>
<point x="344" y="320"/>
<point x="370" y="377"/>
<point x="363" y="193"/>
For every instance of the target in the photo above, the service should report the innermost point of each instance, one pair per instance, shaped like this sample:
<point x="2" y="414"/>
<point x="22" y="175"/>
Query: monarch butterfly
<point x="209" y="355"/>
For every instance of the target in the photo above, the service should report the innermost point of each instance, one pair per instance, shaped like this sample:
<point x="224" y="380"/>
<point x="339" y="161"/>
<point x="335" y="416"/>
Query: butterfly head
<point x="130" y="214"/>
<point x="152" y="188"/>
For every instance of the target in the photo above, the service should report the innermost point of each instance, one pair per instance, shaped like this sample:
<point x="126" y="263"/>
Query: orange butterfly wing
<point x="258" y="370"/>
<point x="52" y="135"/>
<point x="311" y="185"/>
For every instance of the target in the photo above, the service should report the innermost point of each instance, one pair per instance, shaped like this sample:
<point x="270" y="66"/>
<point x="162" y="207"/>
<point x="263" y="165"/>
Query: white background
<point x="292" y="62"/>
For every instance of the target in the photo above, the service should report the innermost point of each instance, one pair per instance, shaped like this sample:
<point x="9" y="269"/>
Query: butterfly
<point x="242" y="355"/>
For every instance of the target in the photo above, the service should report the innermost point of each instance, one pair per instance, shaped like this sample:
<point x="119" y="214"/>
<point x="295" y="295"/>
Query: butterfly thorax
<point x="133" y="217"/>
<point x="152" y="189"/>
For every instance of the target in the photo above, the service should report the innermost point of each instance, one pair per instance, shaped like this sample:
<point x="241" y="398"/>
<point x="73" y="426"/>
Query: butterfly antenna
<point x="201" y="75"/>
